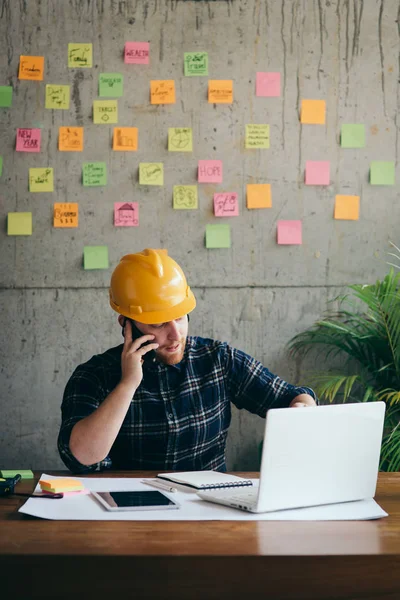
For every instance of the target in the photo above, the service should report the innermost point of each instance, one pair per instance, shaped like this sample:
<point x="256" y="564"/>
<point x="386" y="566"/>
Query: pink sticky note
<point x="126" y="214"/>
<point x="226" y="204"/>
<point x="28" y="140"/>
<point x="210" y="171"/>
<point x="317" y="172"/>
<point x="289" y="232"/>
<point x="268" y="84"/>
<point x="137" y="53"/>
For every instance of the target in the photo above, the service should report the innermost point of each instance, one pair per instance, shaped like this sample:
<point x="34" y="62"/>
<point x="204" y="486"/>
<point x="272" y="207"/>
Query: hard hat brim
<point x="162" y="316"/>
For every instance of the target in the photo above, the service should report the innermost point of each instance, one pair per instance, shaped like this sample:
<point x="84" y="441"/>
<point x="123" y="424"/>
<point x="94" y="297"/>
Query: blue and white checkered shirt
<point x="179" y="416"/>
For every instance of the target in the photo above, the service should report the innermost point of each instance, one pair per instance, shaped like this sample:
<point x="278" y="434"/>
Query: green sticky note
<point x="6" y="93"/>
<point x="25" y="473"/>
<point x="218" y="236"/>
<point x="196" y="63"/>
<point x="95" y="257"/>
<point x="185" y="196"/>
<point x="19" y="223"/>
<point x="94" y="174"/>
<point x="352" y="136"/>
<point x="1" y="166"/>
<point x="41" y="180"/>
<point x="105" y="112"/>
<point x="80" y="55"/>
<point x="382" y="173"/>
<point x="151" y="173"/>
<point x="111" y="85"/>
<point x="57" y="96"/>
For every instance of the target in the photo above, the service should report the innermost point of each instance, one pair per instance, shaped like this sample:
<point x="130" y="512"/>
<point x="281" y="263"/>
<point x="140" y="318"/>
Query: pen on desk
<point x="159" y="485"/>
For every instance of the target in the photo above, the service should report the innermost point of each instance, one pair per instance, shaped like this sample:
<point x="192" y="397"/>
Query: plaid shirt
<point x="178" y="418"/>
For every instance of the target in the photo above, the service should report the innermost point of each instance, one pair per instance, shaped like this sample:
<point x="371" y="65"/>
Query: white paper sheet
<point x="87" y="508"/>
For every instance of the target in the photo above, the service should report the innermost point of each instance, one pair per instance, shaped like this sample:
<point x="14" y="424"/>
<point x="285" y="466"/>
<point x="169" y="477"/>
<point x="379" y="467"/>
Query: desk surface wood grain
<point x="190" y="560"/>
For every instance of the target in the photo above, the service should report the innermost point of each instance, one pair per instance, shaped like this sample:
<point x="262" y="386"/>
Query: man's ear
<point x="121" y="320"/>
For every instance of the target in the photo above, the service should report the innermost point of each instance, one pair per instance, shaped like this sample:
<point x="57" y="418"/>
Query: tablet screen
<point x="135" y="499"/>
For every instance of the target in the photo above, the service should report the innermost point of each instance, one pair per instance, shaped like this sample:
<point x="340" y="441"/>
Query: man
<point x="121" y="410"/>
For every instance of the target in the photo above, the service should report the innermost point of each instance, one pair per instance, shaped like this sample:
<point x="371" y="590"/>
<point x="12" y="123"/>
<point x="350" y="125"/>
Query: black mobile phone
<point x="136" y="333"/>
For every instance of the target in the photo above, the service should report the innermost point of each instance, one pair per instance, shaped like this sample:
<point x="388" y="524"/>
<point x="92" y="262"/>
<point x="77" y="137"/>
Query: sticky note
<point x="268" y="84"/>
<point x="41" y="180"/>
<point x="31" y="67"/>
<point x="195" y="64"/>
<point x="57" y="96"/>
<point x="1" y="166"/>
<point x="61" y="483"/>
<point x="151" y="173"/>
<point x="209" y="171"/>
<point x="317" y="172"/>
<point x="28" y="140"/>
<point x="111" y="85"/>
<point x="70" y="139"/>
<point x="94" y="174"/>
<point x="352" y="136"/>
<point x="220" y="91"/>
<point x="259" y="195"/>
<point x="185" y="196"/>
<point x="226" y="204"/>
<point x="126" y="214"/>
<point x="289" y="232"/>
<point x="80" y="55"/>
<point x="162" y="91"/>
<point x="313" y="112"/>
<point x="125" y="139"/>
<point x="65" y="214"/>
<point x="382" y="173"/>
<point x="25" y="473"/>
<point x="95" y="257"/>
<point x="6" y="93"/>
<point x="257" y="136"/>
<point x="105" y="111"/>
<point x="218" y="236"/>
<point x="19" y="223"/>
<point x="137" y="53"/>
<point x="347" y="207"/>
<point x="180" y="139"/>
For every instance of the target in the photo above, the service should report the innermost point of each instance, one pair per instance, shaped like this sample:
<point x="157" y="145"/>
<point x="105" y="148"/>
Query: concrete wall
<point x="257" y="294"/>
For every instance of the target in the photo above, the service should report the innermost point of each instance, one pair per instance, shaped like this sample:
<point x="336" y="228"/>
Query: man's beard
<point x="172" y="359"/>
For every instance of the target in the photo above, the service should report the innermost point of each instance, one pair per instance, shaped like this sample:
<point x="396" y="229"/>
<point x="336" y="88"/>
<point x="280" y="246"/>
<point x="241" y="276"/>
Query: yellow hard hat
<point x="150" y="287"/>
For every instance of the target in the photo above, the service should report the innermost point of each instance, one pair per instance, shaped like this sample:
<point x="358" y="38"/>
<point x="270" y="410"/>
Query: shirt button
<point x="170" y="416"/>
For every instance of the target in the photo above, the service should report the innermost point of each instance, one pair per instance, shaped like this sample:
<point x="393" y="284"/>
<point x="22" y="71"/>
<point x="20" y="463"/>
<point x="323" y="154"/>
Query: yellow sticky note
<point x="80" y="55"/>
<point x="347" y="207"/>
<point x="31" y="67"/>
<point x="257" y="136"/>
<point x="41" y="180"/>
<point x="162" y="91"/>
<point x="259" y="195"/>
<point x="19" y="223"/>
<point x="313" y="112"/>
<point x="70" y="139"/>
<point x="185" y="196"/>
<point x="105" y="111"/>
<point x="220" y="91"/>
<point x="125" y="138"/>
<point x="180" y="139"/>
<point x="65" y="214"/>
<point x="151" y="173"/>
<point x="57" y="96"/>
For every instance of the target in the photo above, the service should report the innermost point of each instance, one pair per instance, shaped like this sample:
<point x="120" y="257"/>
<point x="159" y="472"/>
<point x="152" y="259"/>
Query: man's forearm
<point x="92" y="437"/>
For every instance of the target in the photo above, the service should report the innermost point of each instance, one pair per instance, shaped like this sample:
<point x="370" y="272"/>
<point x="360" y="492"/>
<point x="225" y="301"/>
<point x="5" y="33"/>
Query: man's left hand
<point x="302" y="401"/>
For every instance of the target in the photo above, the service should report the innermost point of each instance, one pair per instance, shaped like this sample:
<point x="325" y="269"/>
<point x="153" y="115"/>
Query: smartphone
<point x="141" y="500"/>
<point x="136" y="333"/>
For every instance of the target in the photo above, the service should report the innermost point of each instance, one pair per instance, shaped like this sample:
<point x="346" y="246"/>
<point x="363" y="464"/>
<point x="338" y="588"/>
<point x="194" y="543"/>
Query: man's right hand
<point x="132" y="357"/>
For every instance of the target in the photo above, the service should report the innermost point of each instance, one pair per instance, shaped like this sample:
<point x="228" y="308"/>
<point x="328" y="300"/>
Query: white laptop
<point x="313" y="456"/>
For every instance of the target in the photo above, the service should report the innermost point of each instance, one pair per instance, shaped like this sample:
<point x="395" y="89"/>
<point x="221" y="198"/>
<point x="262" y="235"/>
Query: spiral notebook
<point x="205" y="480"/>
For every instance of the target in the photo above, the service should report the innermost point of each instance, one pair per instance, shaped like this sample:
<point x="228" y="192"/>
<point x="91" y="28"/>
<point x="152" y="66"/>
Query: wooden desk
<point x="201" y="560"/>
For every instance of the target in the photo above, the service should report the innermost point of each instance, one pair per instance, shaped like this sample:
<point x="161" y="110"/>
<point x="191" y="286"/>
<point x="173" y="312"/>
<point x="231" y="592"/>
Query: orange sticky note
<point x="313" y="112"/>
<point x="347" y="207"/>
<point x="70" y="139"/>
<point x="162" y="91"/>
<point x="125" y="138"/>
<point x="259" y="195"/>
<point x="31" y="67"/>
<point x="61" y="482"/>
<point x="220" y="91"/>
<point x="65" y="214"/>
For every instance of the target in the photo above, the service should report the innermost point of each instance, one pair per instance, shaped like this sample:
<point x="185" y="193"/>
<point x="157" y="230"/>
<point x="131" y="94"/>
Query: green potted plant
<point x="364" y="334"/>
